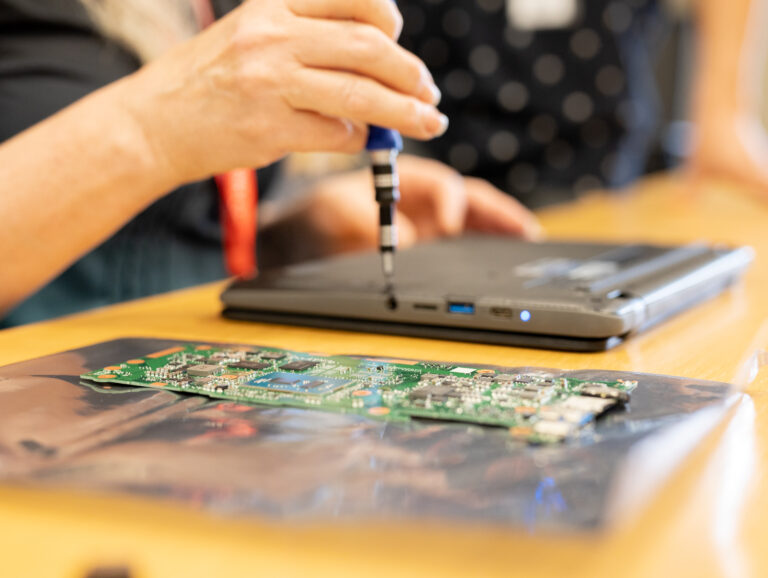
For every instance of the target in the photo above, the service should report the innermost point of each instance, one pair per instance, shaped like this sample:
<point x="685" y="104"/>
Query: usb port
<point x="461" y="308"/>
<point x="502" y="312"/>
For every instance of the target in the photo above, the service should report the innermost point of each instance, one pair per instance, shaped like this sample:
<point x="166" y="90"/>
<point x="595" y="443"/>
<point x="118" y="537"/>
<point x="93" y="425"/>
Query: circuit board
<point x="536" y="405"/>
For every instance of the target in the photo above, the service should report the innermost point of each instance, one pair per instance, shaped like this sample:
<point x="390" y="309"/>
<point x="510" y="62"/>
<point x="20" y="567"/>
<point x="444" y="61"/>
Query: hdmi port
<point x="502" y="312"/>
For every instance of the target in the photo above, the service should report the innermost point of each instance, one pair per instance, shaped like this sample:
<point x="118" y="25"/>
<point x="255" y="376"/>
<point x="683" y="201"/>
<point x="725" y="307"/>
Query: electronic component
<point x="252" y="365"/>
<point x="601" y="390"/>
<point x="203" y="370"/>
<point x="464" y="370"/>
<point x="272" y="355"/>
<point x="291" y="383"/>
<point x="535" y="405"/>
<point x="299" y="365"/>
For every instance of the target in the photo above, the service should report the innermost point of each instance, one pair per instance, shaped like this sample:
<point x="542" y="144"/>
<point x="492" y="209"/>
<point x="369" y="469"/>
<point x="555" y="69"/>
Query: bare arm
<point x="67" y="184"/>
<point x="272" y="77"/>
<point x="731" y="58"/>
<point x="727" y="90"/>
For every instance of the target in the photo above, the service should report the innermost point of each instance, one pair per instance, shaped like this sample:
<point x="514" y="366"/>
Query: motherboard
<point x="536" y="405"/>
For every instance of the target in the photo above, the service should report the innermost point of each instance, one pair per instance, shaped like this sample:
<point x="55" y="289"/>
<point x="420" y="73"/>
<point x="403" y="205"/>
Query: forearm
<point x="268" y="79"/>
<point x="67" y="184"/>
<point x="730" y="60"/>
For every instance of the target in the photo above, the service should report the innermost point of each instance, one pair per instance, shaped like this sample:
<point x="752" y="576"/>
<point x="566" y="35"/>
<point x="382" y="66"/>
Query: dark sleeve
<point x="47" y="64"/>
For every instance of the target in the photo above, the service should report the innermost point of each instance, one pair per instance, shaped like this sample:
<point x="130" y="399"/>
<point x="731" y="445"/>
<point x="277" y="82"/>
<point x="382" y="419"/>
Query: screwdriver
<point x="383" y="147"/>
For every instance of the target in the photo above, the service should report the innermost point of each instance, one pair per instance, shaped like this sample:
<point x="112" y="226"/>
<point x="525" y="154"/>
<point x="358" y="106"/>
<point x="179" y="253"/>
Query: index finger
<point x="382" y="14"/>
<point x="492" y="211"/>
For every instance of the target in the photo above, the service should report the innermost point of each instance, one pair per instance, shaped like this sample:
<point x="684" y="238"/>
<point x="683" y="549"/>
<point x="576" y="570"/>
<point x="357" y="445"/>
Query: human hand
<point x="279" y="76"/>
<point x="340" y="213"/>
<point x="734" y="148"/>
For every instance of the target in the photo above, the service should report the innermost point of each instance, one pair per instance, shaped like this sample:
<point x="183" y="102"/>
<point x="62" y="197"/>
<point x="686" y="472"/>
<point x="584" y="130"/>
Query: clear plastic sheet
<point x="309" y="465"/>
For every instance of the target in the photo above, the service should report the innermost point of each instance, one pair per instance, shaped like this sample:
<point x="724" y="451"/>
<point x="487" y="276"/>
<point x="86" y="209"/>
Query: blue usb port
<point x="462" y="308"/>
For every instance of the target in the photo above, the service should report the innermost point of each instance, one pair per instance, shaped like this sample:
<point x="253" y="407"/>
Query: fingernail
<point x="444" y="122"/>
<point x="437" y="96"/>
<point x="429" y="91"/>
<point x="435" y="122"/>
<point x="430" y="94"/>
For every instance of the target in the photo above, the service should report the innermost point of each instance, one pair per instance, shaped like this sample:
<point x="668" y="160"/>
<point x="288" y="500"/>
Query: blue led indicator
<point x="525" y="316"/>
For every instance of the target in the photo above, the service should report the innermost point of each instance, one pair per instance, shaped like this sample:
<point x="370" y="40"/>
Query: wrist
<point x="143" y="132"/>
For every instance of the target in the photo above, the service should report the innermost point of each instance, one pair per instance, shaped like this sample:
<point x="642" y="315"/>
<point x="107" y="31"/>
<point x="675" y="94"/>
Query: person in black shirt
<point x="551" y="97"/>
<point x="84" y="170"/>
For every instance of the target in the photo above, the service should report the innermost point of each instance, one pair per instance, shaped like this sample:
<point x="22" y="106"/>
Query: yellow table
<point x="709" y="518"/>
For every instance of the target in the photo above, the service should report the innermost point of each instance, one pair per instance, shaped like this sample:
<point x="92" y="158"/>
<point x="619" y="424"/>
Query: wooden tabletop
<point x="710" y="518"/>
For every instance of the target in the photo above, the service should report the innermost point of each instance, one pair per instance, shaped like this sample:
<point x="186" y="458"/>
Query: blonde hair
<point x="146" y="27"/>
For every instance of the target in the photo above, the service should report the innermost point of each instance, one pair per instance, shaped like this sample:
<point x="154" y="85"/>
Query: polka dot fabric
<point x="541" y="114"/>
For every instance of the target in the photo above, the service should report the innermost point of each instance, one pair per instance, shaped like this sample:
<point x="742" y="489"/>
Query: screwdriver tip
<point x="388" y="265"/>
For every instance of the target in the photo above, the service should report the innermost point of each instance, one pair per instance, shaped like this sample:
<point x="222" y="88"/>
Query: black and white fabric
<point x="545" y="113"/>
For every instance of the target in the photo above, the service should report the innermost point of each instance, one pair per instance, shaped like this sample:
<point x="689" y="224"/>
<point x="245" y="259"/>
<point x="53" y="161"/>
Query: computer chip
<point x="435" y="394"/>
<point x="203" y="370"/>
<point x="292" y="383"/>
<point x="252" y="365"/>
<point x="299" y="365"/>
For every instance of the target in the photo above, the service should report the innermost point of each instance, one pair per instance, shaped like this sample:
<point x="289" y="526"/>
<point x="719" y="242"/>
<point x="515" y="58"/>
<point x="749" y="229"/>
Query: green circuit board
<point x="535" y="405"/>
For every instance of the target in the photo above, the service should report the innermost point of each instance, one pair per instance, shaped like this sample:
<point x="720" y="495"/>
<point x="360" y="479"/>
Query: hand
<point x="340" y="214"/>
<point x="279" y="76"/>
<point x="732" y="148"/>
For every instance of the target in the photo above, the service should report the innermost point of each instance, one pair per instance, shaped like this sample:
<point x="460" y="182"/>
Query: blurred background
<point x="549" y="99"/>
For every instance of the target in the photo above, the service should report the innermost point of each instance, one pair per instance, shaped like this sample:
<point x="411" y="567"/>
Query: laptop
<point x="490" y="289"/>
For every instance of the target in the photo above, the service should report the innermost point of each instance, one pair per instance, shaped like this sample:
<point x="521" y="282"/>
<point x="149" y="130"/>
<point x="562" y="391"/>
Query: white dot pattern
<point x="585" y="43"/>
<point x="577" y="107"/>
<point x="518" y="39"/>
<point x="617" y="17"/>
<point x="459" y="84"/>
<point x="503" y="146"/>
<point x="484" y="60"/>
<point x="456" y="23"/>
<point x="513" y="96"/>
<point x="610" y="80"/>
<point x="548" y="69"/>
<point x="534" y="110"/>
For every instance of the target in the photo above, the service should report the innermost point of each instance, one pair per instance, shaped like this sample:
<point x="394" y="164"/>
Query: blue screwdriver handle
<point x="383" y="139"/>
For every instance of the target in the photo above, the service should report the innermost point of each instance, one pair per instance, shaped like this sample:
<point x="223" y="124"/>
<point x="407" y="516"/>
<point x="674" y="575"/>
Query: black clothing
<point x="541" y="111"/>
